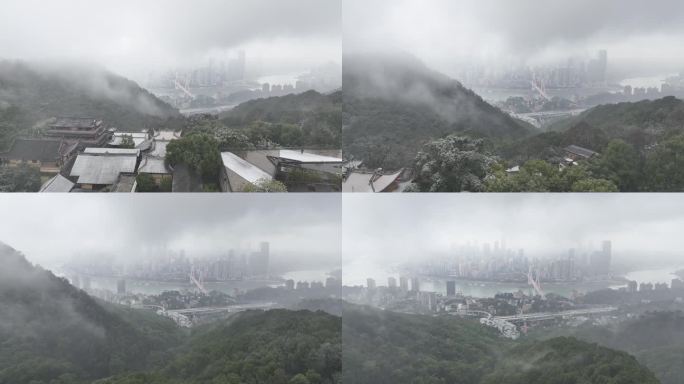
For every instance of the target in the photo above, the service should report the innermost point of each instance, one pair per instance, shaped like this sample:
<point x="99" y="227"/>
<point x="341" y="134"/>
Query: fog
<point x="134" y="38"/>
<point x="303" y="231"/>
<point x="642" y="38"/>
<point x="645" y="229"/>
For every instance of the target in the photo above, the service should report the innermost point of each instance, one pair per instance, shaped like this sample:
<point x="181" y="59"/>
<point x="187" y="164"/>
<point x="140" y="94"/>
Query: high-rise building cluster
<point x="572" y="73"/>
<point x="172" y="265"/>
<point x="497" y="262"/>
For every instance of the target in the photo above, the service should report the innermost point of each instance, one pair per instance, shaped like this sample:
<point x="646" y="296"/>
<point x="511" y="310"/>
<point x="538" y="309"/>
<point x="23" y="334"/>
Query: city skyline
<point x="303" y="232"/>
<point x="642" y="230"/>
<point x="452" y="36"/>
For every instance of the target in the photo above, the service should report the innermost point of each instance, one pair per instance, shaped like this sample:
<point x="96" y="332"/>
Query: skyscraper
<point x="451" y="288"/>
<point x="392" y="283"/>
<point x="403" y="283"/>
<point x="415" y="284"/>
<point x="607" y="248"/>
<point x="258" y="261"/>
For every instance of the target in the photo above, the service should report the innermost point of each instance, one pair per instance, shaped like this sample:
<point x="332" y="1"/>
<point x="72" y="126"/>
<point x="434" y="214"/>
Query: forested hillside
<point x="393" y="104"/>
<point x="277" y="347"/>
<point x="51" y="332"/>
<point x="309" y="119"/>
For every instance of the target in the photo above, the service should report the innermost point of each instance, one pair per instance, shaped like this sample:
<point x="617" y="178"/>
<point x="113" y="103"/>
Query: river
<point x="356" y="274"/>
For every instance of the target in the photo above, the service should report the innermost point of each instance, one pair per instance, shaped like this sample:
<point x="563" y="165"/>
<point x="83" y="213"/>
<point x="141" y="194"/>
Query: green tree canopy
<point x="665" y="166"/>
<point x="200" y="152"/>
<point x="21" y="178"/>
<point x="452" y="164"/>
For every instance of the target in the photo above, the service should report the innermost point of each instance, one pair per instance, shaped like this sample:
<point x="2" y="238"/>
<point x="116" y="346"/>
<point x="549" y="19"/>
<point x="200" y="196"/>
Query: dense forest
<point x="51" y="332"/>
<point x="386" y="347"/>
<point x="31" y="94"/>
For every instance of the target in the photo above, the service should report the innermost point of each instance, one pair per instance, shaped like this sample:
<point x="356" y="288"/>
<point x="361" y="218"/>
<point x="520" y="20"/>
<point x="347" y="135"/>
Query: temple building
<point x="87" y="132"/>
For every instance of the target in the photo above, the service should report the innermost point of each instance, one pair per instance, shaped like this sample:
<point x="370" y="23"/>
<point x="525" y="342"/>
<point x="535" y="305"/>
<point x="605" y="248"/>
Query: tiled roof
<point x="34" y="149"/>
<point x="58" y="184"/>
<point x="102" y="169"/>
<point x="78" y="122"/>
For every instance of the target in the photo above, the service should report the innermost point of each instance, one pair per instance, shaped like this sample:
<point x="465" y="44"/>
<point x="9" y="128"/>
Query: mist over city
<point x="278" y="191"/>
<point x="454" y="37"/>
<point x="642" y="228"/>
<point x="303" y="233"/>
<point x="135" y="39"/>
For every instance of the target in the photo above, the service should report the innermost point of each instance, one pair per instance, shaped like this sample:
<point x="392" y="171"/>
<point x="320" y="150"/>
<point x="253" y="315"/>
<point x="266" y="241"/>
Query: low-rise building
<point x="99" y="168"/>
<point x="154" y="161"/>
<point x="156" y="168"/>
<point x="57" y="184"/>
<point x="47" y="154"/>
<point x="138" y="138"/>
<point x="371" y="181"/>
<point x="238" y="173"/>
<point x="576" y="152"/>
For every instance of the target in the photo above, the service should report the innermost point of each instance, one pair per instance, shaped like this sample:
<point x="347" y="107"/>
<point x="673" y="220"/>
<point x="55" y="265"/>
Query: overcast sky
<point x="392" y="229"/>
<point x="447" y="34"/>
<point x="134" y="37"/>
<point x="304" y="230"/>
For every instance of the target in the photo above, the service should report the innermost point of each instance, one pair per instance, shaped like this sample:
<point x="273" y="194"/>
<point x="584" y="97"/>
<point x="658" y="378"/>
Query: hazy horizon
<point x="452" y="36"/>
<point x="390" y="230"/>
<point x="303" y="231"/>
<point x="136" y="39"/>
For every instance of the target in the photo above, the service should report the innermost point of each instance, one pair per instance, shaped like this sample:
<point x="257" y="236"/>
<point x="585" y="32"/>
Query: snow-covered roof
<point x="159" y="148"/>
<point x="102" y="169"/>
<point x="244" y="169"/>
<point x="167" y="135"/>
<point x="361" y="181"/>
<point x="57" y="184"/>
<point x="306" y="157"/>
<point x="153" y="165"/>
<point x="112" y="151"/>
<point x="138" y="138"/>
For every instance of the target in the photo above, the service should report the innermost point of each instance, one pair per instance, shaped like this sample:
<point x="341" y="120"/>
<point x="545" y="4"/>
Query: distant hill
<point x="30" y="94"/>
<point x="393" y="104"/>
<point x="288" y="109"/>
<point x="549" y="145"/>
<point x="385" y="347"/>
<point x="640" y="123"/>
<point x="308" y="119"/>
